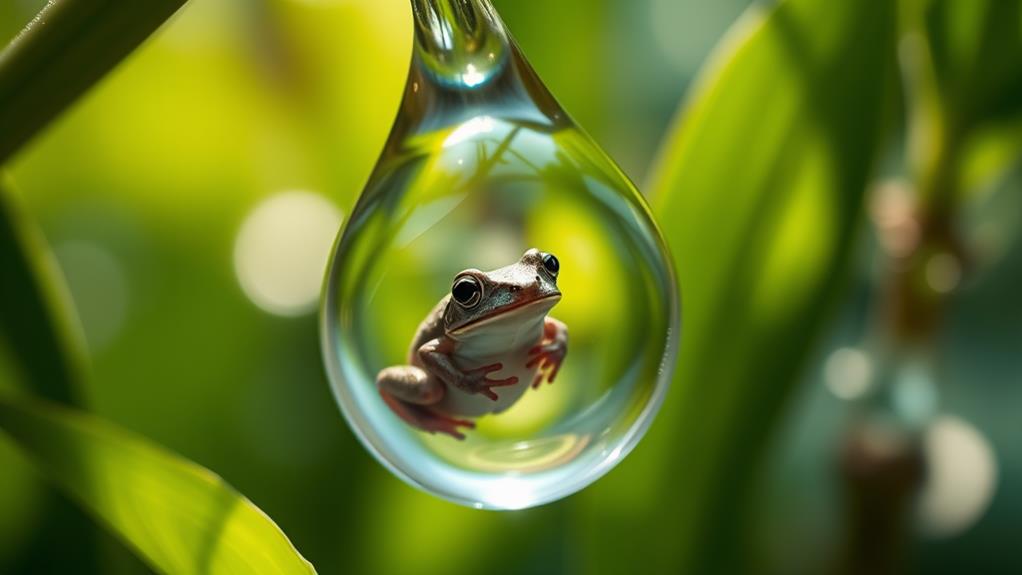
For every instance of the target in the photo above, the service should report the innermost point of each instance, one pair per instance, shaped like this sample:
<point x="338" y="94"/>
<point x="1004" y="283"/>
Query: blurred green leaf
<point x="180" y="517"/>
<point x="986" y="154"/>
<point x="36" y="314"/>
<point x="66" y="48"/>
<point x="977" y="55"/>
<point x="759" y="190"/>
<point x="963" y="72"/>
<point x="177" y="515"/>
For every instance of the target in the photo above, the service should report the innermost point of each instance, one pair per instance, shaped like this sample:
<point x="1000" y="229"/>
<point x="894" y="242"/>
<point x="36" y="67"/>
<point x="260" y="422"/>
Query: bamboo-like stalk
<point x="62" y="52"/>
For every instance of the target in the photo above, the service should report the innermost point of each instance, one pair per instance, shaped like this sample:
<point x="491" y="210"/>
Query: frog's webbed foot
<point x="549" y="354"/>
<point x="409" y="391"/>
<point x="425" y="418"/>
<point x="435" y="355"/>
<point x="478" y="380"/>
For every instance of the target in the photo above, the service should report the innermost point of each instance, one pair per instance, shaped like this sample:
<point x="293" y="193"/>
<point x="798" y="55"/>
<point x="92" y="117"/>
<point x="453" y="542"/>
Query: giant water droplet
<point x="483" y="171"/>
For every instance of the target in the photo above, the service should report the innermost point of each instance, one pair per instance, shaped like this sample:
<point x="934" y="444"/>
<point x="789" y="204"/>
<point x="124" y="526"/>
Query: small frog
<point x="491" y="331"/>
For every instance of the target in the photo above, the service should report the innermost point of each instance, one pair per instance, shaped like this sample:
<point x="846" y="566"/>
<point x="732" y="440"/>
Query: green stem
<point x="66" y="49"/>
<point x="933" y="149"/>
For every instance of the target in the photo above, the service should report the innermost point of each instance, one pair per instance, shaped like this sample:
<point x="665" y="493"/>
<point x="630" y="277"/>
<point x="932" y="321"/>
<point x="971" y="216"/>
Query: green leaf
<point x="759" y="191"/>
<point x="987" y="154"/>
<point x="67" y="47"/>
<point x="977" y="56"/>
<point x="180" y="517"/>
<point x="37" y="319"/>
<point x="177" y="515"/>
<point x="964" y="69"/>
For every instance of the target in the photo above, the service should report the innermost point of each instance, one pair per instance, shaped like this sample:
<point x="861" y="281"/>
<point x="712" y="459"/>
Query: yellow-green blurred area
<point x="191" y="199"/>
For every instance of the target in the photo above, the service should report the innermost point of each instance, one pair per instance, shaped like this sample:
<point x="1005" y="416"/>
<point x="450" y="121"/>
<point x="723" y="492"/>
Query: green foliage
<point x="964" y="78"/>
<point x="36" y="316"/>
<point x="977" y="57"/>
<point x="759" y="191"/>
<point x="179" y="516"/>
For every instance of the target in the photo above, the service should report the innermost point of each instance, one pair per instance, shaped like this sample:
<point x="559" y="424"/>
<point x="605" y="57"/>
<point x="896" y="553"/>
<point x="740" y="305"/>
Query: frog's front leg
<point x="435" y="355"/>
<point x="549" y="354"/>
<point x="409" y="391"/>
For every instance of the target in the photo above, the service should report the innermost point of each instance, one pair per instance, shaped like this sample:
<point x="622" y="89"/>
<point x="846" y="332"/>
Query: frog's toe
<point x="538" y="380"/>
<point x="446" y="424"/>
<point x="553" y="364"/>
<point x="425" y="418"/>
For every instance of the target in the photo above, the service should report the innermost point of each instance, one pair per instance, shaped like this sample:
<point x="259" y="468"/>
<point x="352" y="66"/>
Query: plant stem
<point x="883" y="465"/>
<point x="62" y="52"/>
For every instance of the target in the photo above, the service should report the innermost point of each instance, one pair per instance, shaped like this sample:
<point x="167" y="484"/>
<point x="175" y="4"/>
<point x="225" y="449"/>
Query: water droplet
<point x="481" y="167"/>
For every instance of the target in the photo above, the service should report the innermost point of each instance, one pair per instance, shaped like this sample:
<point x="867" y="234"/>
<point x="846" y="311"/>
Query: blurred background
<point x="191" y="200"/>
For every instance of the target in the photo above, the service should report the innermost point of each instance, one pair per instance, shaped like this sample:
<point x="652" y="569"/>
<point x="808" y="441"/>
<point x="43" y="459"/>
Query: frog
<point x="486" y="342"/>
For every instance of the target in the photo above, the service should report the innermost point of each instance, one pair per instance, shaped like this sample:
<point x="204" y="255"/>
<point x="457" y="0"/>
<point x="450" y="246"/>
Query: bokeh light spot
<point x="962" y="477"/>
<point x="281" y="251"/>
<point x="686" y="29"/>
<point x="943" y="272"/>
<point x="848" y="373"/>
<point x="892" y="208"/>
<point x="914" y="392"/>
<point x="98" y="287"/>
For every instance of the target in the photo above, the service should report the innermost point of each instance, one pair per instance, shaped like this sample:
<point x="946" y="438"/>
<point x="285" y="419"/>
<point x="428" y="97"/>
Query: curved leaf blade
<point x="36" y="314"/>
<point x="977" y="53"/>
<point x="179" y="516"/>
<point x="759" y="191"/>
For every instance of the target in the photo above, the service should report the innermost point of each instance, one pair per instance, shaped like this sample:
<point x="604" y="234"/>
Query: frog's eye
<point x="551" y="264"/>
<point x="467" y="291"/>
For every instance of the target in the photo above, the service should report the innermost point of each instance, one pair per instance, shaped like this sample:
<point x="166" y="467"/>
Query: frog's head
<point x="522" y="291"/>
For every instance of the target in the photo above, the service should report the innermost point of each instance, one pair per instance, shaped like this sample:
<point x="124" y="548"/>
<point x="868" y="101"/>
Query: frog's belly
<point x="513" y="353"/>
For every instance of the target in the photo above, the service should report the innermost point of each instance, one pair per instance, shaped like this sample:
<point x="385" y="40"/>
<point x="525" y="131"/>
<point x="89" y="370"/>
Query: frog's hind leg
<point x="409" y="391"/>
<point x="410" y="384"/>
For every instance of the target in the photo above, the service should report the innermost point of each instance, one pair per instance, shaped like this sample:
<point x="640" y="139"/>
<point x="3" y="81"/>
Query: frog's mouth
<point x="538" y="306"/>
